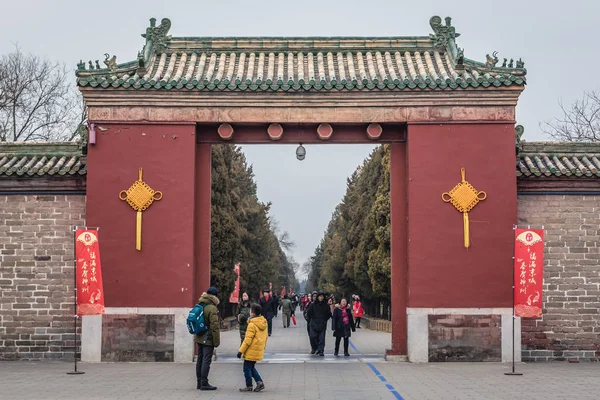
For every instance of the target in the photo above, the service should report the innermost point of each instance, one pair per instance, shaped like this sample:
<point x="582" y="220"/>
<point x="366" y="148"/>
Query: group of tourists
<point x="256" y="325"/>
<point x="253" y="332"/>
<point x="270" y="304"/>
<point x="345" y="319"/>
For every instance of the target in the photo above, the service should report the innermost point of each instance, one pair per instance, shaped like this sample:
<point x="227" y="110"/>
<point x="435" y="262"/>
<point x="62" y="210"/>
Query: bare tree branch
<point x="579" y="123"/>
<point x="37" y="100"/>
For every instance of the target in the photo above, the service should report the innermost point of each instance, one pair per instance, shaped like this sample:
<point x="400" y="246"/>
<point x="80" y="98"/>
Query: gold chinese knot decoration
<point x="139" y="196"/>
<point x="464" y="197"/>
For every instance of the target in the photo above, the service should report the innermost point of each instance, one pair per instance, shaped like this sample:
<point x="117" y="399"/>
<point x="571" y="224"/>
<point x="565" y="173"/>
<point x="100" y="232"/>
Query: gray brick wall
<point x="570" y="326"/>
<point x="36" y="275"/>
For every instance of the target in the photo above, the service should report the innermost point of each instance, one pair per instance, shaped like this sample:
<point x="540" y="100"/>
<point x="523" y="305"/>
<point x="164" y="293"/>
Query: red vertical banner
<point x="90" y="294"/>
<point x="235" y="295"/>
<point x="529" y="272"/>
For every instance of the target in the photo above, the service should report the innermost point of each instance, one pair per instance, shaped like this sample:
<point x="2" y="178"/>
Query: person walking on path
<point x="294" y="298"/>
<point x="286" y="311"/>
<point x="244" y="314"/>
<point x="318" y="314"/>
<point x="304" y="302"/>
<point x="253" y="348"/>
<point x="312" y="299"/>
<point x="342" y="324"/>
<point x="209" y="340"/>
<point x="358" y="311"/>
<point x="269" y="308"/>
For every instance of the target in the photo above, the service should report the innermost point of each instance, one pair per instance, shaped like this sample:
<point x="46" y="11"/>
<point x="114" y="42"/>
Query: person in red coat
<point x="358" y="311"/>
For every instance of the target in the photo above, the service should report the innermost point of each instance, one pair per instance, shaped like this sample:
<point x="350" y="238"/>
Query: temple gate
<point x="440" y="111"/>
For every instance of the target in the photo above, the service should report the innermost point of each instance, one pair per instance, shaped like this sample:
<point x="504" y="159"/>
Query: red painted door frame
<point x="254" y="134"/>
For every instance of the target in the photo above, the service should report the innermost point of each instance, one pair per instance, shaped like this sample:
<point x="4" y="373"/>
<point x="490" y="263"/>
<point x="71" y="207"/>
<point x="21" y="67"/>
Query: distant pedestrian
<point x="253" y="348"/>
<point x="209" y="340"/>
<point x="269" y="308"/>
<point x="276" y="300"/>
<point x="358" y="311"/>
<point x="342" y="324"/>
<point x="304" y="302"/>
<point x="294" y="298"/>
<point x="318" y="314"/>
<point x="311" y="299"/>
<point x="244" y="314"/>
<point x="286" y="311"/>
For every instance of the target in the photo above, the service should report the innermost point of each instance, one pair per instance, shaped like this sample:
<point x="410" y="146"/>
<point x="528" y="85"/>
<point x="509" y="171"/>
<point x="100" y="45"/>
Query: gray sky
<point x="556" y="39"/>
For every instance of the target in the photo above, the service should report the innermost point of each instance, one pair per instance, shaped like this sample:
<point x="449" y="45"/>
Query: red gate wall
<point x="161" y="275"/>
<point x="442" y="272"/>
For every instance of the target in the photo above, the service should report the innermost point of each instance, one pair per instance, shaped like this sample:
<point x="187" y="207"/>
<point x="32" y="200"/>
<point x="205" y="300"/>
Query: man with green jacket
<point x="208" y="341"/>
<point x="286" y="310"/>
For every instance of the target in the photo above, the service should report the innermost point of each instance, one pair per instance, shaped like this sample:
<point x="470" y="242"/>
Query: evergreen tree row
<point x="354" y="254"/>
<point x="243" y="232"/>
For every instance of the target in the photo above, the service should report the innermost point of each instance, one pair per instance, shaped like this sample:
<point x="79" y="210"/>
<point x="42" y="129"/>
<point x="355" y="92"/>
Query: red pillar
<point x="202" y="219"/>
<point x="399" y="242"/>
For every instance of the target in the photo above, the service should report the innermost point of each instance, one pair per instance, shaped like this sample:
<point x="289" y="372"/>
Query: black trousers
<point x="317" y="340"/>
<point x="205" y="354"/>
<point x="338" y="339"/>
<point x="270" y="322"/>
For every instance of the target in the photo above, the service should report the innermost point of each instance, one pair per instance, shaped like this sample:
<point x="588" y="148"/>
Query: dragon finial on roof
<point x="443" y="34"/>
<point x="157" y="35"/>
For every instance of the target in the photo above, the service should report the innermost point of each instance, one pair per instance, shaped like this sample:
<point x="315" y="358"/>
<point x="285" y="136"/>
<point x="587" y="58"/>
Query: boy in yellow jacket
<point x="253" y="348"/>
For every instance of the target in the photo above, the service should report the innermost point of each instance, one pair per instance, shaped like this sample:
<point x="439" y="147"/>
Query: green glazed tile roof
<point x="547" y="159"/>
<point x="41" y="160"/>
<point x="302" y="64"/>
<point x="536" y="160"/>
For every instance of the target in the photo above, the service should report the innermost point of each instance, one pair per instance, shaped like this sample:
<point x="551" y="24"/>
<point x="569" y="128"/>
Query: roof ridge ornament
<point x="519" y="130"/>
<point x="156" y="36"/>
<point x="444" y="35"/>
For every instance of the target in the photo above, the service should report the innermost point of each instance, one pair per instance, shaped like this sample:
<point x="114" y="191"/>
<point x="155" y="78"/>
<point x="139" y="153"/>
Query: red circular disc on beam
<point x="275" y="131"/>
<point x="325" y="131"/>
<point x="225" y="131"/>
<point x="374" y="131"/>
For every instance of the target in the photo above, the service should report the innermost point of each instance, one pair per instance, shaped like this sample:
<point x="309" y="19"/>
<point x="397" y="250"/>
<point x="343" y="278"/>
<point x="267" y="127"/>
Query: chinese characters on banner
<point x="529" y="273"/>
<point x="235" y="295"/>
<point x="90" y="294"/>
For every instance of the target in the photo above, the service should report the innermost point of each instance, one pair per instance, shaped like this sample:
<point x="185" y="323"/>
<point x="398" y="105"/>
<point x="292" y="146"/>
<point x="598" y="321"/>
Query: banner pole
<point x="513" y="301"/>
<point x="75" y="372"/>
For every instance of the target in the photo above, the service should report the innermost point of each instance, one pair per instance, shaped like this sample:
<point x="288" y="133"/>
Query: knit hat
<point x="212" y="291"/>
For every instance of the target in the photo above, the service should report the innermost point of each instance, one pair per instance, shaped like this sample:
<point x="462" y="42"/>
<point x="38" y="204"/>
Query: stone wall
<point x="465" y="337"/>
<point x="570" y="326"/>
<point x="36" y="275"/>
<point x="138" y="338"/>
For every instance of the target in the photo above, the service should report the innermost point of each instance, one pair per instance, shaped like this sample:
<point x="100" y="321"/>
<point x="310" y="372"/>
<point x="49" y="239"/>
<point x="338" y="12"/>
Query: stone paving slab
<point x="347" y="381"/>
<point x="291" y="373"/>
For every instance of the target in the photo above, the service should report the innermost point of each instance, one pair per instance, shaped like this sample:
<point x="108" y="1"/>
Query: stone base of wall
<point x="463" y="334"/>
<point x="465" y="338"/>
<point x="138" y="338"/>
<point x="137" y="334"/>
<point x="559" y="355"/>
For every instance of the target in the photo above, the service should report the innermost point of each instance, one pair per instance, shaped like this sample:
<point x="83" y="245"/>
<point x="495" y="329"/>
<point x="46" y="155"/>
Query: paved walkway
<point x="290" y="373"/>
<point x="292" y="344"/>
